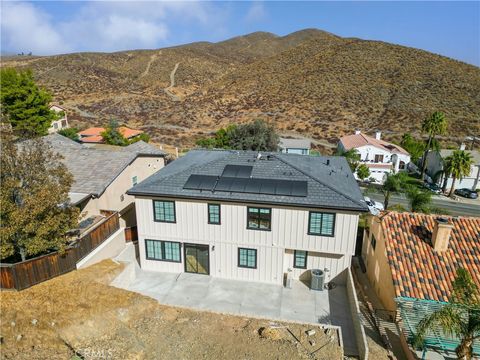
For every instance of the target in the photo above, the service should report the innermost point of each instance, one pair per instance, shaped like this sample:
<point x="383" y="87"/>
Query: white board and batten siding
<point x="289" y="230"/>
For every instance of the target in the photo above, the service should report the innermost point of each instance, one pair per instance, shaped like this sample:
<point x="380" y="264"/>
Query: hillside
<point x="310" y="82"/>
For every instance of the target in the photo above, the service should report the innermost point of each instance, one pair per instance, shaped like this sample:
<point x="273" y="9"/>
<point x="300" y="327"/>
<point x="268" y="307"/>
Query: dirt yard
<point x="78" y="315"/>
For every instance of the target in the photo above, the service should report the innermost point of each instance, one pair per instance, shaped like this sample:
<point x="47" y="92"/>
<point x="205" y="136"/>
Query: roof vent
<point x="259" y="156"/>
<point x="328" y="162"/>
<point x="442" y="231"/>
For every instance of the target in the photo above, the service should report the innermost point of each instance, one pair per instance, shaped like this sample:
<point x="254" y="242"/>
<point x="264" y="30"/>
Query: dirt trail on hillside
<point x="149" y="64"/>
<point x="80" y="313"/>
<point x="172" y="84"/>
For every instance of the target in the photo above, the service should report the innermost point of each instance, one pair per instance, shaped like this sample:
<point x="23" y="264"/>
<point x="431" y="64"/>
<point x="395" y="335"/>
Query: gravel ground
<point x="78" y="313"/>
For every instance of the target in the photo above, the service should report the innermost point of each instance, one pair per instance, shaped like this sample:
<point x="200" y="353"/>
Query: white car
<point x="374" y="206"/>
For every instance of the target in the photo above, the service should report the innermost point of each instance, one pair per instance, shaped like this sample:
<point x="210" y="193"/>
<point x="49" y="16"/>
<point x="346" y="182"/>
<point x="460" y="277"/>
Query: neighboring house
<point x="61" y="123"/>
<point x="249" y="216"/>
<point x="93" y="135"/>
<point x="295" y="146"/>
<point x="435" y="169"/>
<point x="103" y="176"/>
<point x="381" y="157"/>
<point x="411" y="260"/>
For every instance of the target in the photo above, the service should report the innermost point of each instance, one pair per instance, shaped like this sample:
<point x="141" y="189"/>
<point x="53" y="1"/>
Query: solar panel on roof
<point x="262" y="186"/>
<point x="253" y="186"/>
<point x="200" y="182"/>
<point x="239" y="171"/>
<point x="268" y="187"/>
<point x="224" y="183"/>
<point x="284" y="187"/>
<point x="299" y="188"/>
<point x="238" y="185"/>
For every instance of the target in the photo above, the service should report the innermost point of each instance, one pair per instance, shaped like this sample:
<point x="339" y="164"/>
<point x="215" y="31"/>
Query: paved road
<point x="453" y="207"/>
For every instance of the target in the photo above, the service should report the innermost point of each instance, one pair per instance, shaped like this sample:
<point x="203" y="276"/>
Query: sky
<point x="55" y="27"/>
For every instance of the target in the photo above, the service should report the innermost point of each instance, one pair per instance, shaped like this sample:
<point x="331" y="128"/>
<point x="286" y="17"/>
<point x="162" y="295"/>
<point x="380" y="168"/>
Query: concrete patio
<point x="299" y="304"/>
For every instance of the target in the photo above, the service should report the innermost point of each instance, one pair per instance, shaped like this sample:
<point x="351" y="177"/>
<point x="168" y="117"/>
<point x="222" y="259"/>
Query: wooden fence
<point x="131" y="234"/>
<point x="33" y="271"/>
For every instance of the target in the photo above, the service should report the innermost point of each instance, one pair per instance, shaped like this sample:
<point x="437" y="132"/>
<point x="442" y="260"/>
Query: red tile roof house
<point x="411" y="260"/>
<point x="93" y="135"/>
<point x="380" y="156"/>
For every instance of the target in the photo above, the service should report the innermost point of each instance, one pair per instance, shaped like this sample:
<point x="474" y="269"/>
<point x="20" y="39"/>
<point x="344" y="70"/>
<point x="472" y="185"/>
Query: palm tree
<point x="460" y="317"/>
<point x="435" y="124"/>
<point x="419" y="200"/>
<point x="459" y="165"/>
<point x="393" y="184"/>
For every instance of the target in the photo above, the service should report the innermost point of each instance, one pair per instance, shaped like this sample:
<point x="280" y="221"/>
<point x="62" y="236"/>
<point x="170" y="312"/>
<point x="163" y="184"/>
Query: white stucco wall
<point x="289" y="229"/>
<point x="367" y="156"/>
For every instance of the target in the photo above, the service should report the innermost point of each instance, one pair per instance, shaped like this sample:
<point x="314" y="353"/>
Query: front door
<point x="196" y="259"/>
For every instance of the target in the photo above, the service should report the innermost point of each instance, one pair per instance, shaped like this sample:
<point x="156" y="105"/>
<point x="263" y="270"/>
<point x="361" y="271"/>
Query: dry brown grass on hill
<point x="79" y="312"/>
<point x="309" y="82"/>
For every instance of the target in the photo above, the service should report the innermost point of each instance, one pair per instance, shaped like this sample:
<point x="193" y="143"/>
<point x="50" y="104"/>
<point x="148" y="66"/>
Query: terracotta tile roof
<point x="417" y="270"/>
<point x="91" y="131"/>
<point x="358" y="140"/>
<point x="92" y="139"/>
<point x="92" y="135"/>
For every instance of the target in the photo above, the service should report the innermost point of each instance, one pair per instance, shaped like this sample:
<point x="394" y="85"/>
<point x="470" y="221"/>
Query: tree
<point x="458" y="165"/>
<point x="221" y="139"/>
<point x="25" y="105"/>
<point x="142" y="137"/>
<point x="419" y="200"/>
<point x="460" y="317"/>
<point x="35" y="213"/>
<point x="435" y="124"/>
<point x="363" y="171"/>
<point x="414" y="147"/>
<point x="257" y="136"/>
<point x="394" y="183"/>
<point x="112" y="135"/>
<point x="71" y="133"/>
<point x="352" y="156"/>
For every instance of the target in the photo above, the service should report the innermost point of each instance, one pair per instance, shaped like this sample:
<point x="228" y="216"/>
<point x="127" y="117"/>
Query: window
<point x="259" y="218"/>
<point x="378" y="158"/>
<point x="300" y="259"/>
<point x="164" y="211"/>
<point x="55" y="125"/>
<point x="134" y="180"/>
<point x="214" y="214"/>
<point x="247" y="258"/>
<point x="373" y="242"/>
<point x="321" y="223"/>
<point x="64" y="123"/>
<point x="162" y="250"/>
<point x="401" y="165"/>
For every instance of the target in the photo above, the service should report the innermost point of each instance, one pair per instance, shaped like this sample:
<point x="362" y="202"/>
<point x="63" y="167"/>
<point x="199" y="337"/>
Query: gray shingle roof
<point x="94" y="169"/>
<point x="328" y="186"/>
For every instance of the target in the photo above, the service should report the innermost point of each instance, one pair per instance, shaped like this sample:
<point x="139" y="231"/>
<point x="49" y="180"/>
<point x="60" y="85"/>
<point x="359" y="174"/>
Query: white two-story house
<point x="249" y="216"/>
<point x="381" y="157"/>
<point x="61" y="122"/>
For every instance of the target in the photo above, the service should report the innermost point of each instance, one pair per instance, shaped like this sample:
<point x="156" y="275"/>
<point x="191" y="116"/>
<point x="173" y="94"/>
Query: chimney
<point x="357" y="132"/>
<point x="441" y="234"/>
<point x="462" y="146"/>
<point x="378" y="135"/>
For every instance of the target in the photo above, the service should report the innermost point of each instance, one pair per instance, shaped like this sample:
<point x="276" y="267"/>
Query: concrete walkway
<point x="299" y="304"/>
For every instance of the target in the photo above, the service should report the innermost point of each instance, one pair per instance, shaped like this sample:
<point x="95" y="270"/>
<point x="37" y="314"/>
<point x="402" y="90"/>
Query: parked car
<point x="467" y="193"/>
<point x="374" y="206"/>
<point x="433" y="187"/>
